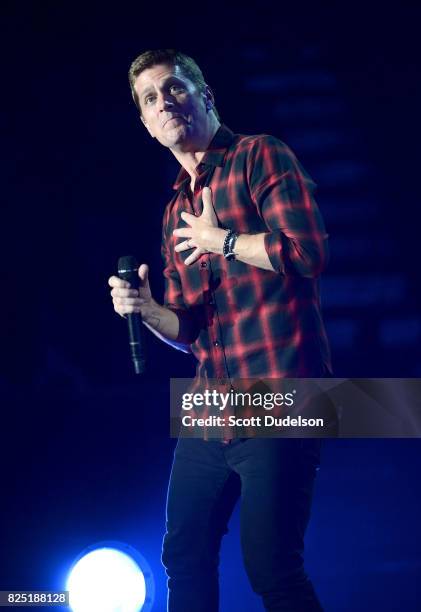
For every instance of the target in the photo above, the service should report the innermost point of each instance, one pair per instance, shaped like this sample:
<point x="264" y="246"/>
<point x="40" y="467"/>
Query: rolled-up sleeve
<point x="296" y="241"/>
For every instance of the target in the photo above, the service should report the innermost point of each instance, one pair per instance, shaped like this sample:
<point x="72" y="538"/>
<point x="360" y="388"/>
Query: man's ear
<point x="209" y="98"/>
<point x="146" y="126"/>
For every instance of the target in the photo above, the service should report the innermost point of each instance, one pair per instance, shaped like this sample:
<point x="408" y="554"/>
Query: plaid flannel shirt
<point x="239" y="320"/>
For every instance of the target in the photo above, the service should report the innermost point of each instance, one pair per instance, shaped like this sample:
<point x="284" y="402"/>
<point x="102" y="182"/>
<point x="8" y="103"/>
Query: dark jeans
<point x="275" y="480"/>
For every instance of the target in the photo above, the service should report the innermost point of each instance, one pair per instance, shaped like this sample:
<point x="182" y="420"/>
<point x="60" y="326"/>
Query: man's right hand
<point x="162" y="321"/>
<point x="127" y="300"/>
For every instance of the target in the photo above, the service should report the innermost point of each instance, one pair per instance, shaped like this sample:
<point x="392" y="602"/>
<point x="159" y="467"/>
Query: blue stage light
<point x="110" y="577"/>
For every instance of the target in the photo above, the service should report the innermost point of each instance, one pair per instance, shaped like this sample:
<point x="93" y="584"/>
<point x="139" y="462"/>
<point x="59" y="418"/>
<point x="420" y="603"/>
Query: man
<point x="243" y="246"/>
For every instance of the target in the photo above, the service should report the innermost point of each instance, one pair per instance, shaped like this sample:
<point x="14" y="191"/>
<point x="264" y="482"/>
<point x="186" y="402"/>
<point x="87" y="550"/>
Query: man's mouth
<point x="174" y="117"/>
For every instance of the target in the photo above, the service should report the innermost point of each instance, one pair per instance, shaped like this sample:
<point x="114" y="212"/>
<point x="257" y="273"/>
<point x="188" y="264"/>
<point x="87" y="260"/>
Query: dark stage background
<point x="85" y="451"/>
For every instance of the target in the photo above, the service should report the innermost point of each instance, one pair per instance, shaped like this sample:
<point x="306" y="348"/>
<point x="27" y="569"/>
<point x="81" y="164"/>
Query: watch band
<point x="229" y="244"/>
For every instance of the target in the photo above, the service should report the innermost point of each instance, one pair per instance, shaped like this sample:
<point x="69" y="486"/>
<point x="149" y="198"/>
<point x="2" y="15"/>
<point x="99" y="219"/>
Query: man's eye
<point x="149" y="99"/>
<point x="176" y="88"/>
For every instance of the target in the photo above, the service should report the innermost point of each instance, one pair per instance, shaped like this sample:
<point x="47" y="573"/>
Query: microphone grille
<point x="127" y="268"/>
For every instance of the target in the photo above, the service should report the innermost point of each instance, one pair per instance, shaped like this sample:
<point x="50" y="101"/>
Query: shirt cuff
<point x="274" y="248"/>
<point x="187" y="326"/>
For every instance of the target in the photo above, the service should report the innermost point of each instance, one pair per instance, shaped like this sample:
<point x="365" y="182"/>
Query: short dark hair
<point x="147" y="59"/>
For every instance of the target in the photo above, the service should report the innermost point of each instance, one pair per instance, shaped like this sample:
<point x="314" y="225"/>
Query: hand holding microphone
<point x="131" y="294"/>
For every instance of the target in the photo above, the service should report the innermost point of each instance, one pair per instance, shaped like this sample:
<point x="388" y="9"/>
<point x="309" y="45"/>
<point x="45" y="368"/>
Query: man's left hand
<point x="203" y="234"/>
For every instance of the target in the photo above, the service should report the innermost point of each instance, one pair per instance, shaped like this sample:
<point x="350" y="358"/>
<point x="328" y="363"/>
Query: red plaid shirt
<point x="242" y="321"/>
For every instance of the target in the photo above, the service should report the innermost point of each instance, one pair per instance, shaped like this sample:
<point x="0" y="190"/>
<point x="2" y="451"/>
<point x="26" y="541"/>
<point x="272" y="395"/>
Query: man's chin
<point x="177" y="136"/>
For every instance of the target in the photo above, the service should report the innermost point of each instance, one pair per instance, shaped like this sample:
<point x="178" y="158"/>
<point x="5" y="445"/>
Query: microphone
<point x="127" y="270"/>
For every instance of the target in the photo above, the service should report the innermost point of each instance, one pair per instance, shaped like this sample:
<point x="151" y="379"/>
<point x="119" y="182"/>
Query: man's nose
<point x="164" y="102"/>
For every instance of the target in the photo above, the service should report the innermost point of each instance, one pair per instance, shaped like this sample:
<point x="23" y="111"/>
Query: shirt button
<point x="203" y="264"/>
<point x="216" y="343"/>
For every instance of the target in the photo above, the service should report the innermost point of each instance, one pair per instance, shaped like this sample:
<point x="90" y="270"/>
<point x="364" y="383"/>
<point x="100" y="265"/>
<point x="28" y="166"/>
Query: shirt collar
<point x="214" y="155"/>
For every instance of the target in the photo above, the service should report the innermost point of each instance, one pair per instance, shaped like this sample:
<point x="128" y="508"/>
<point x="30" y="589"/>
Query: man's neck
<point x="191" y="159"/>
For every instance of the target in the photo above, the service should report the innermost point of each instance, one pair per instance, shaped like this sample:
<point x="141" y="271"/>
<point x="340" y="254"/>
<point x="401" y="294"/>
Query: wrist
<point x="149" y="311"/>
<point x="214" y="239"/>
<point x="228" y="249"/>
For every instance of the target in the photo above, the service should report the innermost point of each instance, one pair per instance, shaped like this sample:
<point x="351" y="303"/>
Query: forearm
<point x="274" y="251"/>
<point x="249" y="248"/>
<point x="164" y="324"/>
<point x="160" y="320"/>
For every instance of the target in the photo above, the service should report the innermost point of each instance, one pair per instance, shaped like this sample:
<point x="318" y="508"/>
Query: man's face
<point x="173" y="110"/>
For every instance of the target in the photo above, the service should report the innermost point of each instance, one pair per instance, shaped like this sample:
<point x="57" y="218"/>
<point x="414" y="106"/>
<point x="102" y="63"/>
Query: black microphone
<point x="127" y="270"/>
